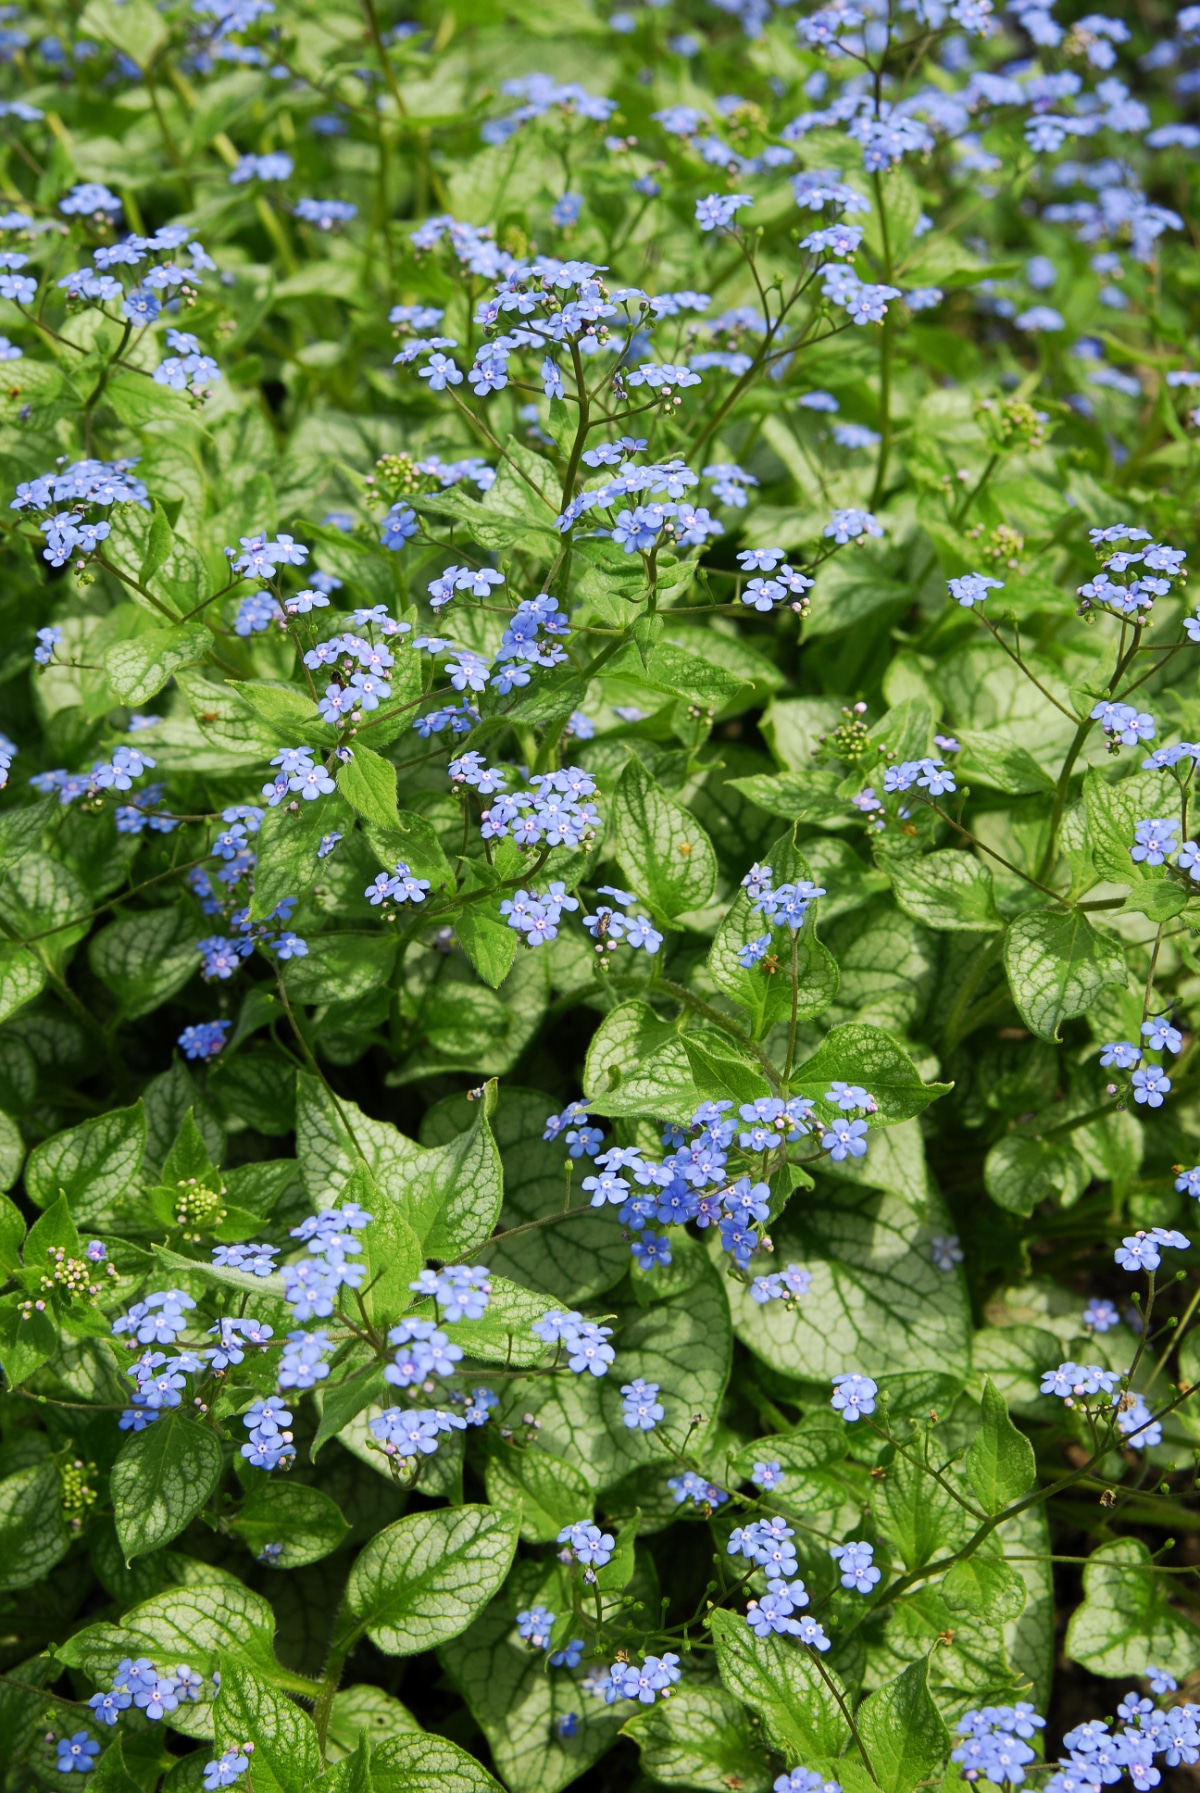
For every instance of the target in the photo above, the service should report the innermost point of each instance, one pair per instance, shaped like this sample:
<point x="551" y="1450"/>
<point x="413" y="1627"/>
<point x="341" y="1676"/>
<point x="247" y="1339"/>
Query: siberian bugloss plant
<point x="599" y="897"/>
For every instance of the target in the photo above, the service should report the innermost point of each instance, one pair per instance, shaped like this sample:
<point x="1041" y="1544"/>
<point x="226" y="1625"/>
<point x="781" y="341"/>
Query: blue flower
<point x="641" y="1407"/>
<point x="1161" y="1036"/>
<point x="1150" y="1086"/>
<point x="76" y="1753"/>
<point x="1153" y="840"/>
<point x="205" y="1039"/>
<point x="845" y="1139"/>
<point x="856" y="1565"/>
<point x="534" y="1625"/>
<point x="225" y="1769"/>
<point x="650" y="1250"/>
<point x="853" y="1395"/>
<point x="718" y="211"/>
<point x="777" y="1608"/>
<point x="973" y="588"/>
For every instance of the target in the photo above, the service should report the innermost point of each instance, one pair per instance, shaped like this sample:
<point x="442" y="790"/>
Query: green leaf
<point x="1126" y="1619"/>
<point x="948" y="890"/>
<point x="136" y="400"/>
<point x="870" y="1057"/>
<point x="12" y="1151"/>
<point x="819" y="1440"/>
<point x="793" y="795"/>
<point x="422" y="1580"/>
<point x="22" y="977"/>
<point x="22" y="829"/>
<point x="287" y="1755"/>
<point x="989" y="759"/>
<point x="663" y="850"/>
<point x="425" y="1764"/>
<point x="1020" y="1171"/>
<point x="161" y="1479"/>
<point x="137" y="670"/>
<point x="226" y="735"/>
<point x="490" y="945"/>
<point x="638" y="1064"/>
<point x="902" y="1731"/>
<point x="146" y="958"/>
<point x="1000" y="1462"/>
<point x="111" y="1774"/>
<point x="286" y="845"/>
<point x="682" y="1342"/>
<point x="876" y="1298"/>
<point x="340" y="968"/>
<point x="574" y="1260"/>
<point x="368" y="783"/>
<point x="665" y="666"/>
<point x="391" y="1254"/>
<point x="305" y="1521"/>
<point x="920" y="1517"/>
<point x="353" y="1775"/>
<point x="517" y="1706"/>
<point x="12" y="1234"/>
<point x="457" y="1189"/>
<point x="135" y="28"/>
<point x="765" y="994"/>
<point x="548" y="1492"/>
<point x="334" y="1138"/>
<point x="413" y="840"/>
<point x="364" y="1707"/>
<point x="1057" y="965"/>
<point x="985" y="1586"/>
<point x="700" y="1737"/>
<point x="339" y="1407"/>
<point x="94" y="1165"/>
<point x="25" y="1341"/>
<point x="33" y="1534"/>
<point x="291" y="714"/>
<point x="1158" y="902"/>
<point x="52" y="1230"/>
<point x="210" y="1615"/>
<point x="1114" y="807"/>
<point x="782" y="1683"/>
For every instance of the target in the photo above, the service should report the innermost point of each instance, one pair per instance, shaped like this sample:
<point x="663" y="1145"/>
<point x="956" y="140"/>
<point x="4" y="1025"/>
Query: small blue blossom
<point x="853" y="1395"/>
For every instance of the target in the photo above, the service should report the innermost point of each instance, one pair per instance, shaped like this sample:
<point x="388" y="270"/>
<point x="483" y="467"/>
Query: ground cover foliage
<point x="599" y="918"/>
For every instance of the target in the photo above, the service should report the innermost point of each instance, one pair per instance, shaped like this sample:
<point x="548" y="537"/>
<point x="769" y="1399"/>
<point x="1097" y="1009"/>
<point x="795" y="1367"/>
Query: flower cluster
<point x="585" y="1543"/>
<point x="86" y="488"/>
<point x="270" y="1441"/>
<point x="692" y="1487"/>
<point x="776" y="1611"/>
<point x="1124" y="725"/>
<point x="585" y="1342"/>
<point x="554" y="812"/>
<point x="782" y="905"/>
<point x="654" y="1679"/>
<point x="856" y="1563"/>
<point x="407" y="1434"/>
<point x="153" y="1691"/>
<point x="996" y="1746"/>
<point x="788" y="1285"/>
<point x="612" y="926"/>
<point x="398" y="886"/>
<point x="1160" y="564"/>
<point x="311" y="1287"/>
<point x="115" y="774"/>
<point x="768" y="1544"/>
<point x="535" y="914"/>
